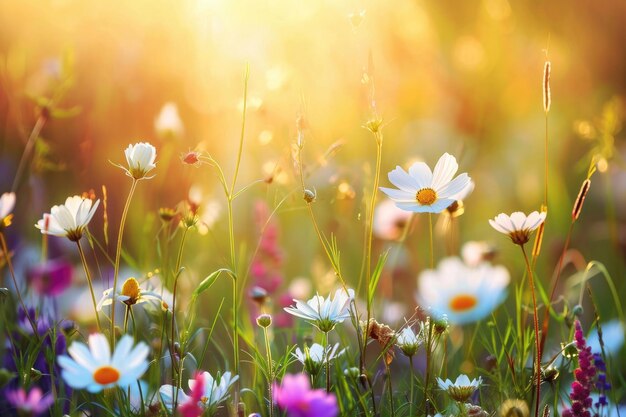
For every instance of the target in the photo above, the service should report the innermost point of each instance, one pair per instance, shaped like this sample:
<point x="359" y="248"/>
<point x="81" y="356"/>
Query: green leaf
<point x="209" y="281"/>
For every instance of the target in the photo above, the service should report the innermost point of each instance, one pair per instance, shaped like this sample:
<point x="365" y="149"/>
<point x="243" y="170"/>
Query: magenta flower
<point x="584" y="378"/>
<point x="34" y="403"/>
<point x="297" y="399"/>
<point x="191" y="407"/>
<point x="50" y="278"/>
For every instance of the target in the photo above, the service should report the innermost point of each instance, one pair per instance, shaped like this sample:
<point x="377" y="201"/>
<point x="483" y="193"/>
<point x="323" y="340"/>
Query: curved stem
<point x="32" y="138"/>
<point x="118" y="253"/>
<point x="412" y="386"/>
<point x="17" y="289"/>
<point x="536" y="324"/>
<point x="93" y="297"/>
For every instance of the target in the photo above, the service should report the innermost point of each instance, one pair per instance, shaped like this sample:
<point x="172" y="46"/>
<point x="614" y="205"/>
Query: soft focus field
<point x="275" y="124"/>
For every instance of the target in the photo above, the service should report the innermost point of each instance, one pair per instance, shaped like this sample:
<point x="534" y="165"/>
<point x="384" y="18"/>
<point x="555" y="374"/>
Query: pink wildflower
<point x="297" y="399"/>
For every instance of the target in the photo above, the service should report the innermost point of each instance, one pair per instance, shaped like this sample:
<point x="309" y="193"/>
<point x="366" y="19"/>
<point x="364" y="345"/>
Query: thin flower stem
<point x="412" y="384"/>
<point x="326" y="359"/>
<point x="536" y="324"/>
<point x="390" y="389"/>
<point x="7" y="257"/>
<point x="432" y="251"/>
<point x="370" y="229"/>
<point x="118" y="254"/>
<point x="126" y="318"/>
<point x="32" y="138"/>
<point x="428" y="359"/>
<point x="88" y="275"/>
<point x="545" y="198"/>
<point x="270" y="378"/>
<point x="177" y="271"/>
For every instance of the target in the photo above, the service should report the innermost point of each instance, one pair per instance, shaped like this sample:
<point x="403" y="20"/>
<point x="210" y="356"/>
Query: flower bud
<point x="309" y="196"/>
<point x="264" y="320"/>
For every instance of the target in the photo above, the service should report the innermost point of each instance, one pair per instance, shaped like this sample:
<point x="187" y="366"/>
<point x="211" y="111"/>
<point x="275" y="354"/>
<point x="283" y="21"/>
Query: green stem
<point x="536" y="324"/>
<point x="326" y="359"/>
<point x="118" y="254"/>
<point x="93" y="297"/>
<point x="5" y="250"/>
<point x="179" y="259"/>
<point x="432" y="251"/>
<point x="270" y="378"/>
<point x="412" y="386"/>
<point x="428" y="359"/>
<point x="389" y="388"/>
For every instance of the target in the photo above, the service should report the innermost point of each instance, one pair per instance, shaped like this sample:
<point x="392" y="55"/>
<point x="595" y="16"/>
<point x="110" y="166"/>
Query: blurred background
<point x="445" y="76"/>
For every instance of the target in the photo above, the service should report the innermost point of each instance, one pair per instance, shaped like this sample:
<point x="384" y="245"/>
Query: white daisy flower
<point x="140" y="158"/>
<point x="315" y="356"/>
<point x="69" y="219"/>
<point x="215" y="391"/>
<point x="464" y="294"/>
<point x="324" y="313"/>
<point x="408" y="341"/>
<point x="168" y="122"/>
<point x="518" y="226"/>
<point x="7" y="203"/>
<point x="461" y="389"/>
<point x="130" y="294"/>
<point x="423" y="191"/>
<point x="94" y="369"/>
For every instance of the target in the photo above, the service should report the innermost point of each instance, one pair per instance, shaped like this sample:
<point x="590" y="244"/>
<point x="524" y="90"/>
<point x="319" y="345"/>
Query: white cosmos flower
<point x="518" y="226"/>
<point x="423" y="191"/>
<point x="140" y="158"/>
<point x="461" y="389"/>
<point x="324" y="313"/>
<point x="94" y="369"/>
<point x="130" y="294"/>
<point x="215" y="390"/>
<point x="464" y="294"/>
<point x="315" y="356"/>
<point x="408" y="341"/>
<point x="7" y="203"/>
<point x="69" y="219"/>
<point x="168" y="122"/>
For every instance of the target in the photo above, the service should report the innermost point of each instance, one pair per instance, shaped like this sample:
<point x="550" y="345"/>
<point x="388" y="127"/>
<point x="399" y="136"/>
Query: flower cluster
<point x="584" y="378"/>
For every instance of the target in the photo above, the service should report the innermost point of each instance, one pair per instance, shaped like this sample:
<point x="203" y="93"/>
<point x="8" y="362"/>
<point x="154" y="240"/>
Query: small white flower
<point x="408" y="341"/>
<point x="130" y="294"/>
<point x="315" y="356"/>
<point x="518" y="226"/>
<point x="464" y="294"/>
<point x="69" y="219"/>
<point x="168" y="122"/>
<point x="7" y="203"/>
<point x="140" y="158"/>
<point x="94" y="369"/>
<point x="461" y="389"/>
<point x="215" y="390"/>
<point x="324" y="313"/>
<point x="474" y="253"/>
<point x="389" y="221"/>
<point x="423" y="191"/>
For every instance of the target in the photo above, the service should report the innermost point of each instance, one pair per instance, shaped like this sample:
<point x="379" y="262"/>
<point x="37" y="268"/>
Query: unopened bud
<point x="578" y="204"/>
<point x="309" y="196"/>
<point x="264" y="320"/>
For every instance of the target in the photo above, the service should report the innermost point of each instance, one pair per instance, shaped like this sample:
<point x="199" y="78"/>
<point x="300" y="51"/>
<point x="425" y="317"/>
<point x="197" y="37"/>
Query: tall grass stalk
<point x="88" y="275"/>
<point x="118" y="254"/>
<point x="536" y="328"/>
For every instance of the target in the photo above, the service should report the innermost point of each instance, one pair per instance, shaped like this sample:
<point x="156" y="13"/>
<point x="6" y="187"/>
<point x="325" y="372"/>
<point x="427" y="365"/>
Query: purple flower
<point x="51" y="278"/>
<point x="585" y="376"/>
<point x="34" y="403"/>
<point x="297" y="399"/>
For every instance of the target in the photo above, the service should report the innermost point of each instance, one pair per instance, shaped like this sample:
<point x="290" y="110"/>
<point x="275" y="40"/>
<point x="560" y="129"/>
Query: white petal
<point x="401" y="179"/>
<point x="399" y="195"/>
<point x="444" y="171"/>
<point x="100" y="350"/>
<point x="421" y="174"/>
<point x="454" y="188"/>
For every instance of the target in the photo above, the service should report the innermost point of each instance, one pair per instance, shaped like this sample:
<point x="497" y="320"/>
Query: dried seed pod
<point x="578" y="204"/>
<point x="547" y="98"/>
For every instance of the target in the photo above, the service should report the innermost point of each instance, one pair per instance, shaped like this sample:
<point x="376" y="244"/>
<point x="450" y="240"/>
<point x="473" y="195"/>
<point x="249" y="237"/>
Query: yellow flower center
<point x="204" y="400"/>
<point x="106" y="375"/>
<point x="426" y="196"/>
<point x="463" y="302"/>
<point x="131" y="290"/>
